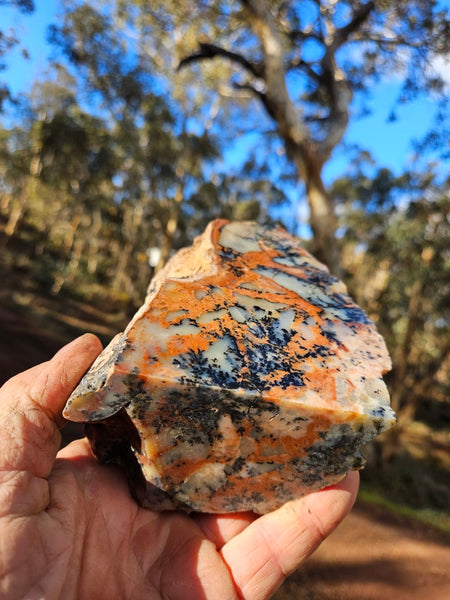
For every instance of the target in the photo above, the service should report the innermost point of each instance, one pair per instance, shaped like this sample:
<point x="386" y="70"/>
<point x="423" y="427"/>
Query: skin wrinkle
<point x="168" y="557"/>
<point x="220" y="531"/>
<point x="318" y="533"/>
<point x="118" y="557"/>
<point x="271" y="543"/>
<point x="149" y="587"/>
<point x="43" y="394"/>
<point x="82" y="554"/>
<point x="302" y="538"/>
<point x="164" y="581"/>
<point x="210" y="533"/>
<point x="254" y="578"/>
<point x="46" y="589"/>
<point x="56" y="564"/>
<point x="57" y="511"/>
<point x="272" y="558"/>
<point x="136" y="588"/>
<point x="320" y="529"/>
<point x="6" y="571"/>
<point x="41" y="406"/>
<point x="9" y="434"/>
<point x="127" y="572"/>
<point x="315" y="531"/>
<point x="29" y="593"/>
<point x="118" y="577"/>
<point x="92" y="527"/>
<point x="13" y="500"/>
<point x="83" y="557"/>
<point x="153" y="572"/>
<point x="121" y="575"/>
<point x="58" y="514"/>
<point x="194" y="546"/>
<point x="54" y="435"/>
<point x="20" y="571"/>
<point x="37" y="408"/>
<point x="145" y="572"/>
<point x="236" y="577"/>
<point x="137" y="558"/>
<point x="40" y="434"/>
<point x="56" y="559"/>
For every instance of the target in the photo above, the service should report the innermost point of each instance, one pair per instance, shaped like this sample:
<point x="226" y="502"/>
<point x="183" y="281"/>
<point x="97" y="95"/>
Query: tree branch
<point x="333" y="80"/>
<point x="276" y="98"/>
<point x="208" y="51"/>
<point x="358" y="18"/>
<point x="259" y="94"/>
<point x="337" y="120"/>
<point x="293" y="130"/>
<point x="298" y="34"/>
<point x="302" y="64"/>
<point x="397" y="41"/>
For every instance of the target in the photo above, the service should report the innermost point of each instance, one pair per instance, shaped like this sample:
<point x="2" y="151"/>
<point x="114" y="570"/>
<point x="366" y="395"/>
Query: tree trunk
<point x="122" y="281"/>
<point x="94" y="236"/>
<point x="173" y="221"/>
<point x="307" y="156"/>
<point x="400" y="397"/>
<point x="322" y="217"/>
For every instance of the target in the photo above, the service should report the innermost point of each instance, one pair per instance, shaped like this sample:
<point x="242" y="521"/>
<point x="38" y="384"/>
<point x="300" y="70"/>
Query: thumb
<point x="31" y="405"/>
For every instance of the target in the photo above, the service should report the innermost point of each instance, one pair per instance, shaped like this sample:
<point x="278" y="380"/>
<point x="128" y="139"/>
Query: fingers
<point x="53" y="386"/>
<point x="275" y="544"/>
<point x="221" y="528"/>
<point x="31" y="405"/>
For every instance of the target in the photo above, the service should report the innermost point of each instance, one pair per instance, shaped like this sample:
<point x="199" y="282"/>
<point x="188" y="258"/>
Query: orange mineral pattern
<point x="248" y="378"/>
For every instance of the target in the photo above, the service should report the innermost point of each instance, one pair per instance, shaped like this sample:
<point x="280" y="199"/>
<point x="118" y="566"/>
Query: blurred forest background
<point x="138" y="135"/>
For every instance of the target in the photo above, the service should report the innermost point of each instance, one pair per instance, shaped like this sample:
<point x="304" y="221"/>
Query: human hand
<point x="70" y="529"/>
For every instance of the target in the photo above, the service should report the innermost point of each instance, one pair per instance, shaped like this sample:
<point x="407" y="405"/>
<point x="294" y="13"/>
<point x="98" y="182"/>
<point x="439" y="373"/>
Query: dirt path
<point x="373" y="555"/>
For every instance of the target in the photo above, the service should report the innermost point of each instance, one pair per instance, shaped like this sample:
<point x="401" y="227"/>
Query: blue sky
<point x="390" y="143"/>
<point x="31" y="30"/>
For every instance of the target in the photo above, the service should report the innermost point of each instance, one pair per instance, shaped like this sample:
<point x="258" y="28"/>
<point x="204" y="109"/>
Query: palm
<point x="114" y="541"/>
<point x="70" y="529"/>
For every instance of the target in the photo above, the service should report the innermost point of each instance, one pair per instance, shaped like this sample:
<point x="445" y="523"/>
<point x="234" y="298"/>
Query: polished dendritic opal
<point x="248" y="378"/>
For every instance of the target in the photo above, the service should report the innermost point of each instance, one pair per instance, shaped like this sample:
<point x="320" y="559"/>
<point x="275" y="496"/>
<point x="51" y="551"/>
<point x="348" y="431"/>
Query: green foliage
<point x="398" y="263"/>
<point x="436" y="517"/>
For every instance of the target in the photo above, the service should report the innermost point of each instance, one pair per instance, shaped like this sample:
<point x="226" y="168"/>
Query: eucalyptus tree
<point x="163" y="130"/>
<point x="57" y="165"/>
<point x="298" y="68"/>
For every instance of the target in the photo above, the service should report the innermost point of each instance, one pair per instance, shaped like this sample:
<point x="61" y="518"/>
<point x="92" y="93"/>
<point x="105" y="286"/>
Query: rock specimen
<point x="248" y="378"/>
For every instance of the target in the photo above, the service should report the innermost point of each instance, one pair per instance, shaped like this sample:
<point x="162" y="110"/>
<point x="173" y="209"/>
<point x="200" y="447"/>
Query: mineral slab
<point x="248" y="378"/>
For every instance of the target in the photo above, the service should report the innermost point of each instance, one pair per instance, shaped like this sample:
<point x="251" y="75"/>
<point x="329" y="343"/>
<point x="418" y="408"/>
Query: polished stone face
<point x="248" y="378"/>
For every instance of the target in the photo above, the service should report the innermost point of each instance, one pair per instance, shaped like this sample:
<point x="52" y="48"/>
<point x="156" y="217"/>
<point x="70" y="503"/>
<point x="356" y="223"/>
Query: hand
<point x="70" y="529"/>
